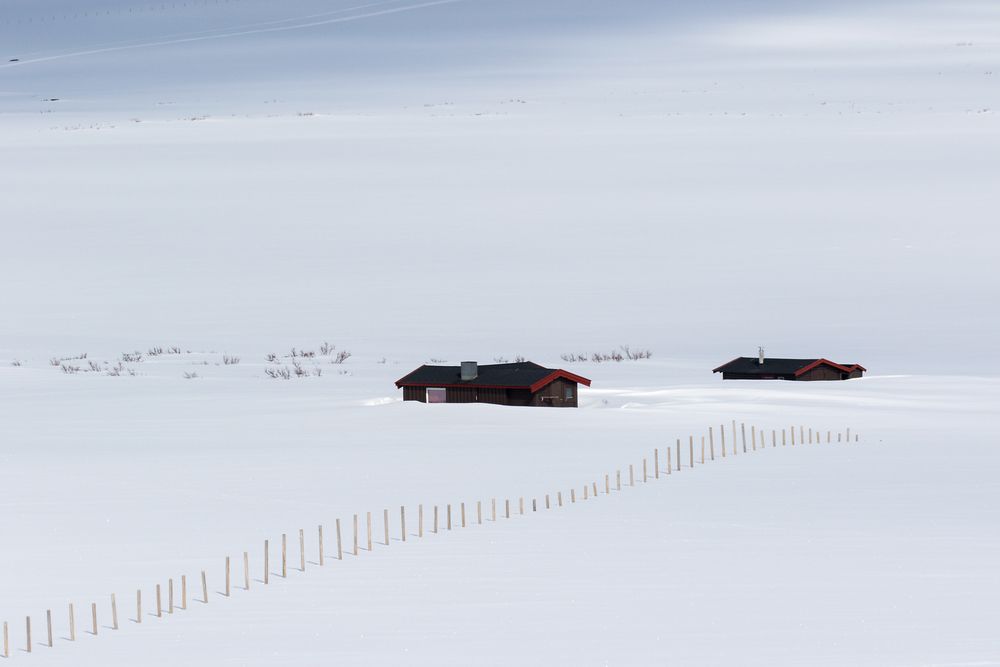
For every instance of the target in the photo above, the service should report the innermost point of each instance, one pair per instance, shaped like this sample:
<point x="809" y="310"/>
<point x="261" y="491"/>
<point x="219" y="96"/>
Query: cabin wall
<point x="415" y="394"/>
<point x="821" y="372"/>
<point x="554" y="394"/>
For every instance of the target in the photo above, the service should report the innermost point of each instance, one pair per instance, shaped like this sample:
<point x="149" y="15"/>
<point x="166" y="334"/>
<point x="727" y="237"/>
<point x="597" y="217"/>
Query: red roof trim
<point x="555" y="375"/>
<point x="819" y="362"/>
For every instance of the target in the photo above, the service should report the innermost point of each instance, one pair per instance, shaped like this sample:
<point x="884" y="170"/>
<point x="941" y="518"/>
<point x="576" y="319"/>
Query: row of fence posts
<point x="673" y="460"/>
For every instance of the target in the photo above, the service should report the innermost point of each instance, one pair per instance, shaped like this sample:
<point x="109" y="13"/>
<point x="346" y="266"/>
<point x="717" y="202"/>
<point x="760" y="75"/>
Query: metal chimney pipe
<point x="470" y="370"/>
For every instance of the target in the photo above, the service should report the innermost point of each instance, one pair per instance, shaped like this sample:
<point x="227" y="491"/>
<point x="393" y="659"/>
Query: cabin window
<point x="437" y="395"/>
<point x="569" y="393"/>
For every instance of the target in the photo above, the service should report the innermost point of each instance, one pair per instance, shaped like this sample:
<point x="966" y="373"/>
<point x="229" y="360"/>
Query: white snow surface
<point x="482" y="179"/>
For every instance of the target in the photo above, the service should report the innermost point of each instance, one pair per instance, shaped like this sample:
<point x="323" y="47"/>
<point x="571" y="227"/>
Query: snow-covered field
<point x="483" y="179"/>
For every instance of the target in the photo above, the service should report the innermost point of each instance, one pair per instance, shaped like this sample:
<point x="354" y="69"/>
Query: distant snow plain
<point x="471" y="180"/>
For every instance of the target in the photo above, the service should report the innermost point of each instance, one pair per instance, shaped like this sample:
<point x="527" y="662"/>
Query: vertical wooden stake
<point x="711" y="445"/>
<point x="774" y="438"/>
<point x="368" y="519"/>
<point x="595" y="489"/>
<point x="670" y="466"/>
<point x="449" y="516"/>
<point x="810" y="436"/>
<point x="839" y="436"/>
<point x="521" y="505"/>
<point x="828" y="436"/>
<point x="848" y="434"/>
<point x="138" y="608"/>
<point x="656" y="463"/>
<point x="791" y="431"/>
<point x="170" y="596"/>
<point x="267" y="562"/>
<point x="559" y="498"/>
<point x="506" y="504"/>
<point x="572" y="495"/>
<point x="607" y="485"/>
<point x="631" y="475"/>
<point x="743" y="436"/>
<point x="678" y="453"/>
<point x="114" y="612"/>
<point x="184" y="591"/>
<point x="159" y="602"/>
<point x="753" y="437"/>
<point x="355" y="534"/>
<point x="319" y="539"/>
<point x="435" y="519"/>
<point x="93" y="616"/>
<point x="284" y="556"/>
<point x="204" y="587"/>
<point x="783" y="439"/>
<point x="340" y="544"/>
<point x="246" y="570"/>
<point x="494" y="510"/>
<point x="72" y="622"/>
<point x="27" y="632"/>
<point x="645" y="477"/>
<point x="479" y="512"/>
<point x="463" y="514"/>
<point x="690" y="451"/>
<point x="385" y="526"/>
<point x="722" y="435"/>
<point x="584" y="491"/>
<point x="548" y="504"/>
<point x="48" y="625"/>
<point x="302" y="550"/>
<point x="534" y="504"/>
<point x="420" y="520"/>
<point x="402" y="523"/>
<point x="6" y="641"/>
<point x="618" y="480"/>
<point x="227" y="576"/>
<point x="802" y="435"/>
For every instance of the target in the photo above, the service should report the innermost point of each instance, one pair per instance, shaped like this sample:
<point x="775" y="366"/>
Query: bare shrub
<point x="272" y="357"/>
<point x="154" y="351"/>
<point x="230" y="361"/>
<point x="69" y="369"/>
<point x="381" y="361"/>
<point x="16" y="362"/>
<point x="116" y="370"/>
<point x="572" y="357"/>
<point x="317" y="371"/>
<point x="190" y="375"/>
<point x="307" y="354"/>
<point x="132" y="357"/>
<point x="299" y="371"/>
<point x="438" y="361"/>
<point x="518" y="359"/>
<point x="173" y="350"/>
<point x="326" y="349"/>
<point x="278" y="373"/>
<point x="499" y="360"/>
<point x="635" y="355"/>
<point x="55" y="361"/>
<point x="94" y="366"/>
<point x="341" y="357"/>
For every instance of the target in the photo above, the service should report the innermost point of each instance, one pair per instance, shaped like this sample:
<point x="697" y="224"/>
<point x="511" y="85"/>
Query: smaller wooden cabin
<point x="761" y="368"/>
<point x="524" y="383"/>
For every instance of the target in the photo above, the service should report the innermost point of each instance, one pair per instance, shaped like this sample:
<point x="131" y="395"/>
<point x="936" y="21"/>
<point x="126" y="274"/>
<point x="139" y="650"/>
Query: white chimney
<point x="760" y="356"/>
<point x="470" y="370"/>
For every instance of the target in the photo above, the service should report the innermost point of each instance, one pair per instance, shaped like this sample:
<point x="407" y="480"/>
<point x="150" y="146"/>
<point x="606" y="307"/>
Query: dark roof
<point x="775" y="366"/>
<point x="524" y="375"/>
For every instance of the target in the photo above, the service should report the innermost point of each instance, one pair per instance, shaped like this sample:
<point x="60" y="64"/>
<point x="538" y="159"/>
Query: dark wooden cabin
<point x="761" y="368"/>
<point x="523" y="383"/>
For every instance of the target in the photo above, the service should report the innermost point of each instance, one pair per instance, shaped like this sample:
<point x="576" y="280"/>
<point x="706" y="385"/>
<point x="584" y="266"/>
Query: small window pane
<point x="437" y="395"/>
<point x="569" y="393"/>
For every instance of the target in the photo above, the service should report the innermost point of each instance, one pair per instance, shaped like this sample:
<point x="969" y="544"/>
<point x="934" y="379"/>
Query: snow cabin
<point x="523" y="383"/>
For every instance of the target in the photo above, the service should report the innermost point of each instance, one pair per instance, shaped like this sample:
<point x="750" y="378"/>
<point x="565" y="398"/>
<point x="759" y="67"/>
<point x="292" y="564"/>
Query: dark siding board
<point x="554" y="394"/>
<point x="821" y="373"/>
<point x="415" y="394"/>
<point x="461" y="395"/>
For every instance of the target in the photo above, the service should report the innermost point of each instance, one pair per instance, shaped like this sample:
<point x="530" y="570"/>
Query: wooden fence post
<point x="670" y="465"/>
<point x="548" y="504"/>
<point x="631" y="475"/>
<point x="402" y="522"/>
<point x="435" y="519"/>
<point x="572" y="495"/>
<point x="267" y="562"/>
<point x="722" y="435"/>
<point x="607" y="485"/>
<point x="848" y="434"/>
<point x="595" y="489"/>
<point x="506" y="511"/>
<point x="774" y="438"/>
<point x="48" y="625"/>
<point x="159" y="603"/>
<point x="385" y="525"/>
<point x="479" y="512"/>
<point x="227" y="576"/>
<point x="690" y="451"/>
<point x="27" y="632"/>
<point x="184" y="591"/>
<point x="368" y="520"/>
<point x="114" y="612"/>
<point x="355" y="534"/>
<point x="802" y="435"/>
<point x="340" y="544"/>
<point x="645" y="477"/>
<point x="170" y="596"/>
<point x="618" y="480"/>
<point x="302" y="550"/>
<point x="559" y="498"/>
<point x="319" y="538"/>
<point x="678" y="453"/>
<point x="743" y="436"/>
<point x="462" y="513"/>
<point x="494" y="510"/>
<point x="420" y="520"/>
<point x="284" y="556"/>
<point x="711" y="444"/>
<point x="204" y="587"/>
<point x="656" y="463"/>
<point x="246" y="570"/>
<point x="138" y="608"/>
<point x="791" y="432"/>
<point x="520" y="504"/>
<point x="753" y="437"/>
<point x="72" y="623"/>
<point x="6" y="641"/>
<point x="93" y="616"/>
<point x="449" y="516"/>
<point x="584" y="491"/>
<point x="534" y="504"/>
